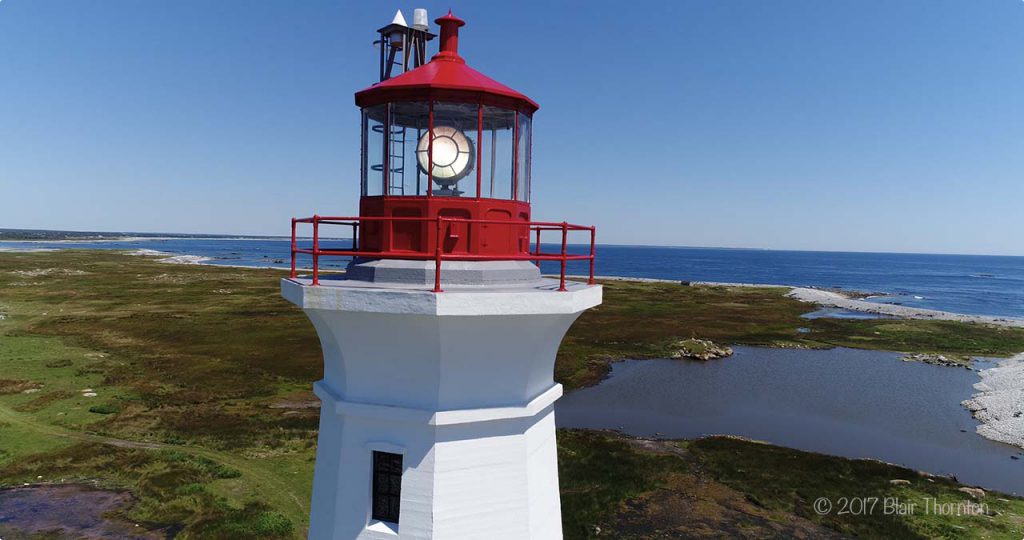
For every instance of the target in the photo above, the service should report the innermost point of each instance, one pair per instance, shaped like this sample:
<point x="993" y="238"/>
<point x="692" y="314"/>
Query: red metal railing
<point x="439" y="255"/>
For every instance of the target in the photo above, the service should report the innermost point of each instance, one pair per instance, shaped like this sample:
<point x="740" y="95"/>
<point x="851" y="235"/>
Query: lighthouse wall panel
<point x="542" y="474"/>
<point x="327" y="476"/>
<point x="342" y="482"/>
<point x="439" y="363"/>
<point x="493" y="479"/>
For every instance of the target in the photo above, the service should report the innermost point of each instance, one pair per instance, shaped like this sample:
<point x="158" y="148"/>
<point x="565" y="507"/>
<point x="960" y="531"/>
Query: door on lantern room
<point x="407" y="234"/>
<point x="499" y="237"/>
<point x="455" y="236"/>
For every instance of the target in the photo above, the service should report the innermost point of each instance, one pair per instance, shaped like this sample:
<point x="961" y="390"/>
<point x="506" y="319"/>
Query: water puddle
<point x="69" y="511"/>
<point x="836" y="313"/>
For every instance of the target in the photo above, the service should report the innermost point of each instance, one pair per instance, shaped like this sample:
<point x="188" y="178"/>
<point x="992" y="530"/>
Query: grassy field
<point x="190" y="386"/>
<point x="723" y="487"/>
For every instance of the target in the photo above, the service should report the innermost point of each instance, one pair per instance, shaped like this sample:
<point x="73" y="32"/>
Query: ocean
<point x="973" y="284"/>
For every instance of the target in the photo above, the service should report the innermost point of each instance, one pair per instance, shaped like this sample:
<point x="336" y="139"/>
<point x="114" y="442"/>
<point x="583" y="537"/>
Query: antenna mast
<point x="403" y="46"/>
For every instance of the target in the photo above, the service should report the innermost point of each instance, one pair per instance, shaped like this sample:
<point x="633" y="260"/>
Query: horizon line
<point x="159" y="234"/>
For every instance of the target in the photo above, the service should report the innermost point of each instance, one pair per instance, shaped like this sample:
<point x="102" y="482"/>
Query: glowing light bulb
<point x="452" y="155"/>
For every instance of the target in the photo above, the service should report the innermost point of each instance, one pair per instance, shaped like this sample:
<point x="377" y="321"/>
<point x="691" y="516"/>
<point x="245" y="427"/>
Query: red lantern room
<point x="444" y="140"/>
<point x="445" y="166"/>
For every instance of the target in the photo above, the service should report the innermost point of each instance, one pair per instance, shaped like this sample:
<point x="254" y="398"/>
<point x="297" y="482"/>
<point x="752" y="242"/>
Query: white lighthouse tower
<point x="439" y="341"/>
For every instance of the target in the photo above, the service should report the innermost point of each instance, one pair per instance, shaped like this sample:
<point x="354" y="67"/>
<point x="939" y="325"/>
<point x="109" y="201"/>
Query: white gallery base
<point x="468" y="474"/>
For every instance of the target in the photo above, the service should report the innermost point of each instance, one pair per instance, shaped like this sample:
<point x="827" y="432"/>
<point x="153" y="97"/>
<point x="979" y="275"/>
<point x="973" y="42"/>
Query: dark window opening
<point x="387" y="486"/>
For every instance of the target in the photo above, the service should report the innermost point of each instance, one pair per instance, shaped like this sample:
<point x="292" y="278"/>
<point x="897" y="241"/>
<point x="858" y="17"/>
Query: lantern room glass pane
<point x="373" y="151"/>
<point x="496" y="149"/>
<point x="409" y="121"/>
<point x="523" y="157"/>
<point x="470" y="144"/>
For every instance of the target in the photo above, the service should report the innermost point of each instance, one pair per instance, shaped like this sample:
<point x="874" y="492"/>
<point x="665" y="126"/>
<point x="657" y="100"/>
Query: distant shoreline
<point x="839" y="299"/>
<point x="844" y="300"/>
<point x="105" y="239"/>
<point x="58" y="236"/>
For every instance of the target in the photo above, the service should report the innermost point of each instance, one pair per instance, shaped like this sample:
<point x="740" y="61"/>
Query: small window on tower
<point x="387" y="486"/>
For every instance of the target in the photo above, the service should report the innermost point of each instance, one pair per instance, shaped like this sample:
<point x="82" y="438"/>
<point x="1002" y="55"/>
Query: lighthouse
<point x="439" y="339"/>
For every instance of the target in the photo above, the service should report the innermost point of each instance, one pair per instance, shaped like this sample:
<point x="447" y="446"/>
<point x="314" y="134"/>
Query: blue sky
<point x="867" y="125"/>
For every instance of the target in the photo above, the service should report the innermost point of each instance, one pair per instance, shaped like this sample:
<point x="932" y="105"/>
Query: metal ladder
<point x="396" y="159"/>
<point x="396" y="178"/>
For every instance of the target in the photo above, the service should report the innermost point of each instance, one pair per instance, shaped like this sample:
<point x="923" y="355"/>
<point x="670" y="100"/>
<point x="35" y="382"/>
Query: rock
<point x="700" y="349"/>
<point x="977" y="493"/>
<point x="899" y="482"/>
<point x="934" y="359"/>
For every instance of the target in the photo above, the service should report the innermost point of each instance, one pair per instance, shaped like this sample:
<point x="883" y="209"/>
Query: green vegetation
<point x="105" y="409"/>
<point x="116" y="357"/>
<point x="730" y="487"/>
<point x="189" y="386"/>
<point x="791" y="481"/>
<point x="172" y="487"/>
<point x="597" y="472"/>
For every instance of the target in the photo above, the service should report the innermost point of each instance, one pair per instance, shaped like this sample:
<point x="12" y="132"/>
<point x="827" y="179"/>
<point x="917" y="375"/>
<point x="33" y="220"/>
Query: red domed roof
<point x="446" y="78"/>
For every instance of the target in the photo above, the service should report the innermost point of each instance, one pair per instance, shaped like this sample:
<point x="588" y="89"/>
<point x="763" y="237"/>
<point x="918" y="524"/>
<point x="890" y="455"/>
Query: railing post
<point x="479" y="154"/>
<point x="438" y="249"/>
<point x="565" y="236"/>
<point x="292" y="275"/>
<point x="515" y="159"/>
<point x="430" y="150"/>
<point x="536" y="249"/>
<point x="316" y="250"/>
<point x="593" y="233"/>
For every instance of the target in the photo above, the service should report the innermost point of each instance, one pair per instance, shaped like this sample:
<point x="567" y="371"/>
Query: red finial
<point x="449" y="37"/>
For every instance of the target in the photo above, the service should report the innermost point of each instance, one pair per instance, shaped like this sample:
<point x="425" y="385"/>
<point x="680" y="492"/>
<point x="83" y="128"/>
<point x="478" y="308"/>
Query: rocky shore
<point x="999" y="403"/>
<point x="834" y="299"/>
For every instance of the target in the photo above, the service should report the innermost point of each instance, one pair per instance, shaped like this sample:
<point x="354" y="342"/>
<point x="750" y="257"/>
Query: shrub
<point x="106" y="408"/>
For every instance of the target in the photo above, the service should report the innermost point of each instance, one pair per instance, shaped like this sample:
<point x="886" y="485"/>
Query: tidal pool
<point x="836" y="313"/>
<point x="68" y="511"/>
<point x="846" y="402"/>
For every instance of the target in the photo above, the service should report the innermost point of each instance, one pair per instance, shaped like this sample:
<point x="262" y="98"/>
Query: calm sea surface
<point x="981" y="285"/>
<point x="853" y="403"/>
